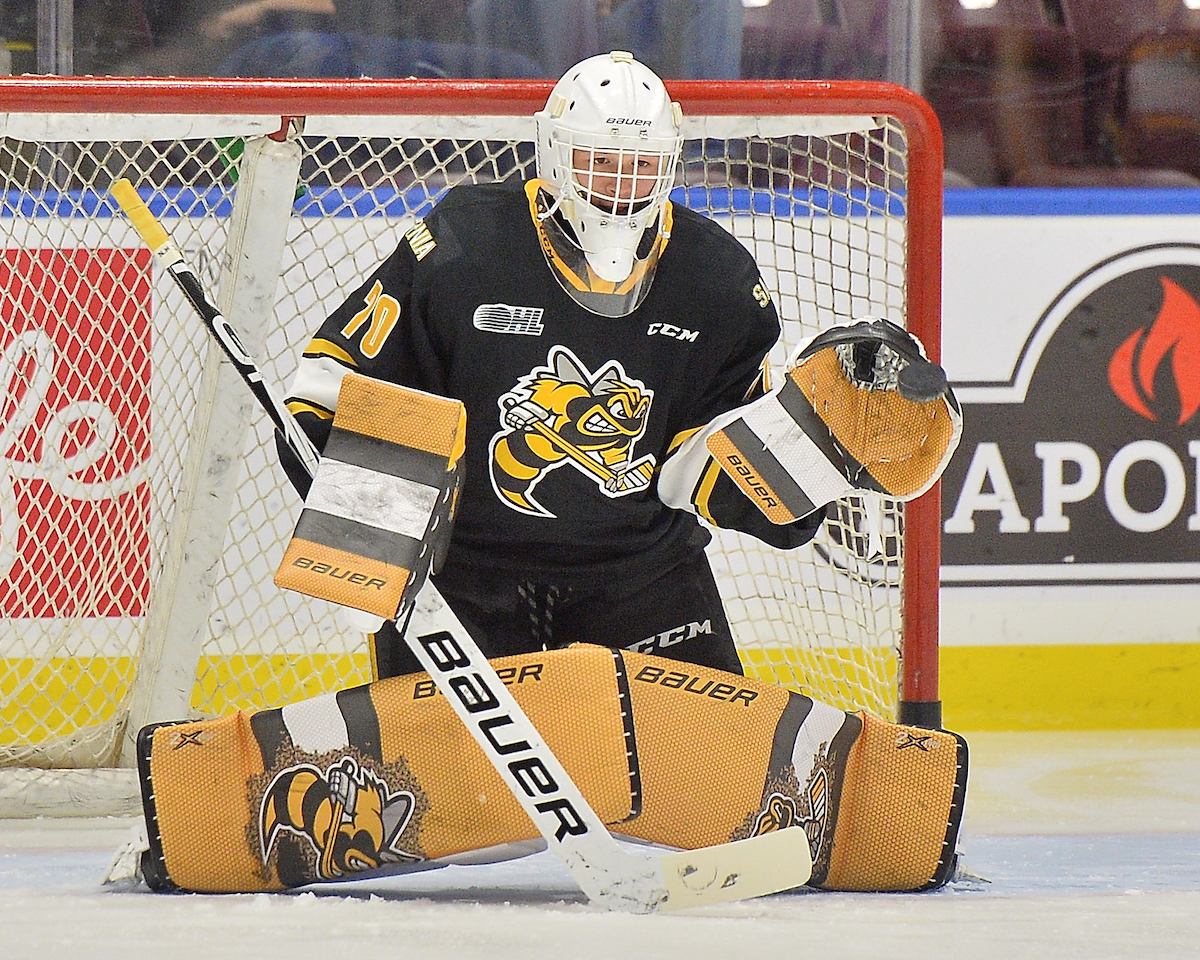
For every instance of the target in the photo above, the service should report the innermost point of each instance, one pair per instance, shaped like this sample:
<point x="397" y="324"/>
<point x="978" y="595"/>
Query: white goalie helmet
<point x="608" y="143"/>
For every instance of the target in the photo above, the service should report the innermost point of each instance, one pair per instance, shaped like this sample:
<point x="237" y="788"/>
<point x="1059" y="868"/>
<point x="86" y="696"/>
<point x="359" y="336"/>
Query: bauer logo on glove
<point x="861" y="408"/>
<point x="379" y="512"/>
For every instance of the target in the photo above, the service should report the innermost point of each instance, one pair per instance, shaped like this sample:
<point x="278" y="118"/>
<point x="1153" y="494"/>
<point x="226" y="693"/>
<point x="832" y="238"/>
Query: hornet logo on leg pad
<point x="349" y="816"/>
<point x="563" y="414"/>
<point x="810" y="811"/>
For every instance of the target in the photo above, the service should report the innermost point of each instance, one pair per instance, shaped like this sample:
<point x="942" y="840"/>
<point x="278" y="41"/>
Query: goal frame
<point x="918" y="680"/>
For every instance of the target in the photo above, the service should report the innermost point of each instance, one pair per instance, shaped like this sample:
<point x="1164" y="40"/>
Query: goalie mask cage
<point x="142" y="510"/>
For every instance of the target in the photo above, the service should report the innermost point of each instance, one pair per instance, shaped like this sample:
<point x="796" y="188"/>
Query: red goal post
<point x="836" y="186"/>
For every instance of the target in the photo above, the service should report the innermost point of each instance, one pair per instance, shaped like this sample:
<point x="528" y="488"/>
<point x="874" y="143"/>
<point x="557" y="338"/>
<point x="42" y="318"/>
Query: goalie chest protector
<point x="483" y="319"/>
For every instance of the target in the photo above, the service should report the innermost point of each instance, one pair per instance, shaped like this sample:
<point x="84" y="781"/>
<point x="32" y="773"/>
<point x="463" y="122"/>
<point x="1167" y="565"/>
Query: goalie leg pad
<point x="386" y="777"/>
<point x="380" y="777"/>
<point x="900" y="809"/>
<point x="726" y="758"/>
<point x="380" y="507"/>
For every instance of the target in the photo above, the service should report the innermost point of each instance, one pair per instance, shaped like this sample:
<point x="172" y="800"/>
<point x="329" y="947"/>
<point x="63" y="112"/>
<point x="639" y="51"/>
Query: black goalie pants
<point x="678" y="615"/>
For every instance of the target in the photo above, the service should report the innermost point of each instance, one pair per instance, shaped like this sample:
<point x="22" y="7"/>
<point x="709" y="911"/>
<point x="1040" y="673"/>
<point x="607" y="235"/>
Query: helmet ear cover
<point x="608" y="145"/>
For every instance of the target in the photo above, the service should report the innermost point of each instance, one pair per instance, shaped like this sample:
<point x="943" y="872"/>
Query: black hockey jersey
<point x="570" y="415"/>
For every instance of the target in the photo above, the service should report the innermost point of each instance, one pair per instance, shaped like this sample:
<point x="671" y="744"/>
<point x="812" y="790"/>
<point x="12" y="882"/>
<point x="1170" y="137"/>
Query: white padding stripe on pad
<point x="372" y="498"/>
<point x="316" y="725"/>
<point x="814" y="736"/>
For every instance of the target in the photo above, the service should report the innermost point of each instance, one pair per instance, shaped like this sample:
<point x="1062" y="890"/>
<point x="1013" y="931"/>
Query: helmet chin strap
<point x="601" y="262"/>
<point x="550" y="211"/>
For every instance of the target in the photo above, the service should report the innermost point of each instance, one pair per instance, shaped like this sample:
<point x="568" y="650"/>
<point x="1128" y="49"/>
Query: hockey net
<point x="142" y="511"/>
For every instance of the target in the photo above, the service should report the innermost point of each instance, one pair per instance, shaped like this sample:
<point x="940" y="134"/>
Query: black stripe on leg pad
<point x="362" y="722"/>
<point x="786" y="730"/>
<point x="270" y="734"/>
<point x="635" y="768"/>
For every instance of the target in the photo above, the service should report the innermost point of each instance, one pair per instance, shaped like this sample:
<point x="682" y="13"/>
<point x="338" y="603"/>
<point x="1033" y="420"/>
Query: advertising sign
<point x="75" y="359"/>
<point x="1082" y="464"/>
<point x="1071" y="511"/>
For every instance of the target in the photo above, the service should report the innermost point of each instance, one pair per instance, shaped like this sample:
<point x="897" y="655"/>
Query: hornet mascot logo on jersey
<point x="563" y="414"/>
<point x="350" y="817"/>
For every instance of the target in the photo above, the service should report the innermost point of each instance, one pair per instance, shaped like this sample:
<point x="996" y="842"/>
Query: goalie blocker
<point x="384" y="777"/>
<point x="861" y="408"/>
<point x="380" y="509"/>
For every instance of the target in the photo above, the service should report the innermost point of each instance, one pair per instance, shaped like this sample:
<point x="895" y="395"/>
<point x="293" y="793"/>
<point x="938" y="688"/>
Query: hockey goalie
<point x="386" y="778"/>
<point x="579" y="468"/>
<point x="609" y="346"/>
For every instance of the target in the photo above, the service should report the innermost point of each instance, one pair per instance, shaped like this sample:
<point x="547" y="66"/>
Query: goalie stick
<point x="610" y="876"/>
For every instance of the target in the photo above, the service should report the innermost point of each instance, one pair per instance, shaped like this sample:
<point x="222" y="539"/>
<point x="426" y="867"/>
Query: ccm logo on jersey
<point x="670" y="330"/>
<point x="505" y="318"/>
<point x="668" y="638"/>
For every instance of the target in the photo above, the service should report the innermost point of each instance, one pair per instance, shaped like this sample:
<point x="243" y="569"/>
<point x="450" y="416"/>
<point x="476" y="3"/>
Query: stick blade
<point x="737" y="871"/>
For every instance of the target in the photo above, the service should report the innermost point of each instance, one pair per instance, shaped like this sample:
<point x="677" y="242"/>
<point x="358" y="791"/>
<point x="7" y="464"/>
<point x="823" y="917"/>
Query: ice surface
<point x="1089" y="843"/>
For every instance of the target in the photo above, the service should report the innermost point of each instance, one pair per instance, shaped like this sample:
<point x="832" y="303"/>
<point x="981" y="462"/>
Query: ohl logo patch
<point x="563" y="415"/>
<point x="1085" y="463"/>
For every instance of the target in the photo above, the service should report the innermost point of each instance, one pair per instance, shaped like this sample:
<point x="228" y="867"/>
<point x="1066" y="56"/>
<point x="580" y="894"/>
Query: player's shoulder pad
<point x="723" y="263"/>
<point x="706" y="231"/>
<point x="469" y="199"/>
<point x="475" y="211"/>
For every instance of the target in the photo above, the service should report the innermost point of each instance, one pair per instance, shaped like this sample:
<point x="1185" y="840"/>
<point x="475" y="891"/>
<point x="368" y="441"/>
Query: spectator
<point x="680" y="39"/>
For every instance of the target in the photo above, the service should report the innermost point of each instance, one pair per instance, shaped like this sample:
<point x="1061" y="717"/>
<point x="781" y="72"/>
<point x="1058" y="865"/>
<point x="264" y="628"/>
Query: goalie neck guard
<point x="608" y="144"/>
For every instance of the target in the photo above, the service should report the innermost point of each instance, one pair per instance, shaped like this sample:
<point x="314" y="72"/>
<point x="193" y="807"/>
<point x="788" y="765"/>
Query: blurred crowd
<point x="1029" y="92"/>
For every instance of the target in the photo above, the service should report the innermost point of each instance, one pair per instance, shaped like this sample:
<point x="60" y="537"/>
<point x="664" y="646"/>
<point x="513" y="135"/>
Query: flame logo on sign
<point x="1176" y="330"/>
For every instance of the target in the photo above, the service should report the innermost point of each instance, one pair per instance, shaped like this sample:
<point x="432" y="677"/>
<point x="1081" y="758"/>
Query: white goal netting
<point x="142" y="510"/>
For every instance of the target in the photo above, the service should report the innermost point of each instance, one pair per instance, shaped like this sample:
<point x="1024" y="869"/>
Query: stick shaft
<point x="572" y="451"/>
<point x="335" y="823"/>
<point x="172" y="259"/>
